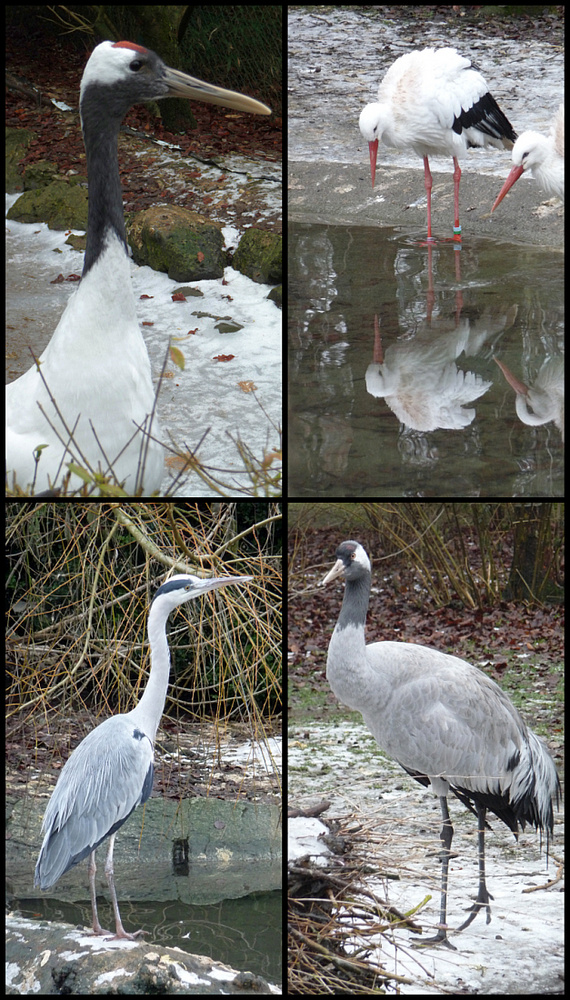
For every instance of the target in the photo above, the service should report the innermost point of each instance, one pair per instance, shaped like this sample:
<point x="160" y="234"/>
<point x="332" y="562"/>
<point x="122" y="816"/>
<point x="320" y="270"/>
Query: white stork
<point x="436" y="103"/>
<point x="542" y="401"/>
<point x="543" y="156"/>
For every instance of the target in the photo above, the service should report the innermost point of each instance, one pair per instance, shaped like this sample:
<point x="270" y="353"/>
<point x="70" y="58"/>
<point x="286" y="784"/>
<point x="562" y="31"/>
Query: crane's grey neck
<point x="348" y="671"/>
<point x="101" y="119"/>
<point x="355" y="602"/>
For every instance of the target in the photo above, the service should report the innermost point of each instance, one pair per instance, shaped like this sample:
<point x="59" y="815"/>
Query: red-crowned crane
<point x="91" y="399"/>
<point x="447" y="724"/>
<point x="435" y="102"/>
<point x="543" y="155"/>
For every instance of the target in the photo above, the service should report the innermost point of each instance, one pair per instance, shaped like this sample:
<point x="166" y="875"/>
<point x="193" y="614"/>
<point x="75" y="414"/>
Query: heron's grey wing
<point x="107" y="776"/>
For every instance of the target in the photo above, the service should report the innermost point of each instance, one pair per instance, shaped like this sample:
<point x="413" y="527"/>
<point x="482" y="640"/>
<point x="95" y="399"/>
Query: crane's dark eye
<point x="136" y="65"/>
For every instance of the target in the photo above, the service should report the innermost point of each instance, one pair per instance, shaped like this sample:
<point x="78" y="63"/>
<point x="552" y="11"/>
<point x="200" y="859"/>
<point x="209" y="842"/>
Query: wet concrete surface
<point x="341" y="193"/>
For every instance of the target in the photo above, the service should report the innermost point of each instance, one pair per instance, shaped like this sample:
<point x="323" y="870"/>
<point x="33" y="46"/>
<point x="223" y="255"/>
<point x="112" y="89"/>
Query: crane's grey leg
<point x="109" y="872"/>
<point x="446" y="836"/>
<point x="97" y="929"/>
<point x="483" y="896"/>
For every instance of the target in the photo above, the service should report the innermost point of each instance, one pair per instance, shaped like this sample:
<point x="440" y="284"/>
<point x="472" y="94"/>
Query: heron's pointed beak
<point x="214" y="582"/>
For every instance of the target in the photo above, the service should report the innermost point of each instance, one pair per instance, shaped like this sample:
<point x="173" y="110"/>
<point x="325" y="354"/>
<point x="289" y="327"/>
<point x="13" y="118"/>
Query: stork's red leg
<point x="428" y="184"/>
<point x="456" y="179"/>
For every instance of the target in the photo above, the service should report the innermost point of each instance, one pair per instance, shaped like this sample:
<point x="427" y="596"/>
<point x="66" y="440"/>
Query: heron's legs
<point x="446" y="836"/>
<point x="120" y="931"/>
<point x="483" y="896"/>
<point x="109" y="872"/>
<point x="97" y="929"/>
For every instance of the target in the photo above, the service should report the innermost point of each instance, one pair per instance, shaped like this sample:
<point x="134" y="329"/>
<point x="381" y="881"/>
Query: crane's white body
<point x="92" y="401"/>
<point x="543" y="155"/>
<point x="110" y="773"/>
<point x="441" y="718"/>
<point x="97" y="370"/>
<point x="435" y="103"/>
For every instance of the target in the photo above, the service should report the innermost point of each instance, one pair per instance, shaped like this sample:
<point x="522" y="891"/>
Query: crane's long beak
<point x="181" y="85"/>
<point x="337" y="570"/>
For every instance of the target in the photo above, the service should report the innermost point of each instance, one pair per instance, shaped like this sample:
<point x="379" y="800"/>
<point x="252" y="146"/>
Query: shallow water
<point x="393" y="387"/>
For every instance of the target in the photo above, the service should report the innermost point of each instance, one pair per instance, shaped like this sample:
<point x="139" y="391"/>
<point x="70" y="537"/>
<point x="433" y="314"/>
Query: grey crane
<point x="110" y="773"/>
<point x="444" y="721"/>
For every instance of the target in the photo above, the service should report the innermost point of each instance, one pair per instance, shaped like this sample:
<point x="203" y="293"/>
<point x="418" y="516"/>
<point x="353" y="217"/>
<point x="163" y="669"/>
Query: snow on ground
<point x="204" y="399"/>
<point x="396" y="823"/>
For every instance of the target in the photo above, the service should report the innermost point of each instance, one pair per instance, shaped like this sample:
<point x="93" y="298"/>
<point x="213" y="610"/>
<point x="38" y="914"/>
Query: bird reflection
<point x="543" y="400"/>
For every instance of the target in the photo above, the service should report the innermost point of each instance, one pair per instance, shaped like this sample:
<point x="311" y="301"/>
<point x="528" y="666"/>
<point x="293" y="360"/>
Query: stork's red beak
<point x="373" y="148"/>
<point x="513" y="381"/>
<point x="513" y="176"/>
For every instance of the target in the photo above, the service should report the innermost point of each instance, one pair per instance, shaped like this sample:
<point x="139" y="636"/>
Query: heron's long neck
<point x="151" y="706"/>
<point x="105" y="214"/>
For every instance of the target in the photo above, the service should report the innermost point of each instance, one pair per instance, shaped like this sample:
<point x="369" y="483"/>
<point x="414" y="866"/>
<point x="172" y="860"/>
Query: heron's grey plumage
<point x="110" y="773"/>
<point x="442" y="719"/>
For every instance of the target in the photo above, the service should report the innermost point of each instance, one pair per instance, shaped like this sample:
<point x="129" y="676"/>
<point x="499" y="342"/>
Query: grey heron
<point x="444" y="721"/>
<point x="110" y="773"/>
<point x="90" y="400"/>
